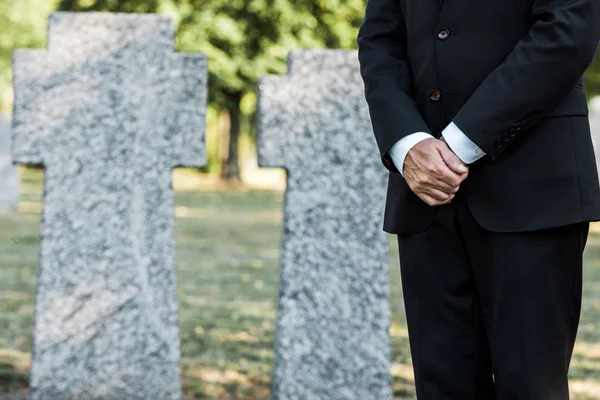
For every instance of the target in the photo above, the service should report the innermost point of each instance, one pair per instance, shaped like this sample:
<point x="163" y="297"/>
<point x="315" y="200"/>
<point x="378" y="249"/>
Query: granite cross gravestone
<point x="9" y="177"/>
<point x="595" y="126"/>
<point x="332" y="338"/>
<point x="109" y="109"/>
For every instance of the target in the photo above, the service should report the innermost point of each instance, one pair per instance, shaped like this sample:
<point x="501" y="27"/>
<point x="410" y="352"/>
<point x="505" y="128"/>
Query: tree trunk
<point x="230" y="119"/>
<point x="224" y="132"/>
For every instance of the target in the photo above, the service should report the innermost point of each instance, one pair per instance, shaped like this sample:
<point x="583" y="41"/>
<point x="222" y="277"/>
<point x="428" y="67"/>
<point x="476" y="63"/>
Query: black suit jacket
<point x="510" y="77"/>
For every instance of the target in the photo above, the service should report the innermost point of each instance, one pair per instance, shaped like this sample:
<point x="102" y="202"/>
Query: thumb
<point x="452" y="161"/>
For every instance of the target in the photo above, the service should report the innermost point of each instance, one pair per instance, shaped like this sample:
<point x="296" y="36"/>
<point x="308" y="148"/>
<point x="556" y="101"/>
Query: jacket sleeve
<point x="541" y="69"/>
<point x="387" y="78"/>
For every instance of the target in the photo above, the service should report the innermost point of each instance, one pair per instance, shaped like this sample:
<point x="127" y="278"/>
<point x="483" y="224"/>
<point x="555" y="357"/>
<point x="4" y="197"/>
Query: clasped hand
<point x="433" y="172"/>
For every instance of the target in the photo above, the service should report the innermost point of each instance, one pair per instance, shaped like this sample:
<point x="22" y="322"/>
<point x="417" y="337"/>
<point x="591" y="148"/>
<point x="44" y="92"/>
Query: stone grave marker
<point x="595" y="125"/>
<point x="9" y="175"/>
<point x="332" y="338"/>
<point x="109" y="110"/>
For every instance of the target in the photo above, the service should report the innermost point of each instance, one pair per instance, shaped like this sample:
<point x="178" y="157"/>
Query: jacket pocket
<point x="574" y="103"/>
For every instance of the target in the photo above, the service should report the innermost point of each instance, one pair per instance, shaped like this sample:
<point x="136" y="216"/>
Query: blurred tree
<point x="245" y="39"/>
<point x="242" y="42"/>
<point x="129" y="6"/>
<point x="592" y="78"/>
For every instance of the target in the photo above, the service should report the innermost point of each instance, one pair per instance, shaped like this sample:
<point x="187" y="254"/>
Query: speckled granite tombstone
<point x="595" y="125"/>
<point x="332" y="337"/>
<point x="9" y="176"/>
<point x="109" y="109"/>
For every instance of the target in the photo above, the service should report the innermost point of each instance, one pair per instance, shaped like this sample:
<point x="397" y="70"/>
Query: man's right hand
<point x="433" y="172"/>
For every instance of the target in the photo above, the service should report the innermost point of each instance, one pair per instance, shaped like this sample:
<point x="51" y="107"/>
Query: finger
<point x="432" y="201"/>
<point x="442" y="173"/>
<point x="453" y="180"/>
<point x="446" y="187"/>
<point x="452" y="161"/>
<point x="437" y="194"/>
<point x="437" y="176"/>
<point x="447" y="175"/>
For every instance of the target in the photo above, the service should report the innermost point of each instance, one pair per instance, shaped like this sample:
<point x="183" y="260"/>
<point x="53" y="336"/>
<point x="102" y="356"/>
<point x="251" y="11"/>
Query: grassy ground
<point x="227" y="264"/>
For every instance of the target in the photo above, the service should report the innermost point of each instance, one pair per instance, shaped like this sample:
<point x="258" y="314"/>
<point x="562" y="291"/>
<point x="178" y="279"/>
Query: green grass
<point x="227" y="264"/>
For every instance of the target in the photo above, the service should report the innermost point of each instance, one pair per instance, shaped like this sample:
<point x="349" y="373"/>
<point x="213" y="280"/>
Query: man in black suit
<point x="480" y="116"/>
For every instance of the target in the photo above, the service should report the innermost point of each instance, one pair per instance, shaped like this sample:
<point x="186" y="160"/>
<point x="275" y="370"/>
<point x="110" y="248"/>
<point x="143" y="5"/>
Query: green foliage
<point x="130" y="6"/>
<point x="593" y="77"/>
<point x="246" y="39"/>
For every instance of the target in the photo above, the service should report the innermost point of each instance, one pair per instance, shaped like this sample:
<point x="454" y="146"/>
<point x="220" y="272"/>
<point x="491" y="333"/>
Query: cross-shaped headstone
<point x="595" y="126"/>
<point x="332" y="338"/>
<point x="9" y="177"/>
<point x="109" y="109"/>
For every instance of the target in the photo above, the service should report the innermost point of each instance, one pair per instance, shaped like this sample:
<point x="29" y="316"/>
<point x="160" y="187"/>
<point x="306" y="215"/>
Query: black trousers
<point x="491" y="315"/>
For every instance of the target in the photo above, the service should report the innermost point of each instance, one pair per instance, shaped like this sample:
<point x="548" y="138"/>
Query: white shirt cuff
<point x="401" y="148"/>
<point x="461" y="145"/>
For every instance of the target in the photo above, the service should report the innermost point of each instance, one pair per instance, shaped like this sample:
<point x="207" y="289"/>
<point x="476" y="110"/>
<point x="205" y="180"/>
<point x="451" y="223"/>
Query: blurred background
<point x="228" y="214"/>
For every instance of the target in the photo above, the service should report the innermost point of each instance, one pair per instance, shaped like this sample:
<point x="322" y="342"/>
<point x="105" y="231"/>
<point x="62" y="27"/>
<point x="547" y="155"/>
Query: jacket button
<point x="443" y="34"/>
<point x="499" y="143"/>
<point x="436" y="95"/>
